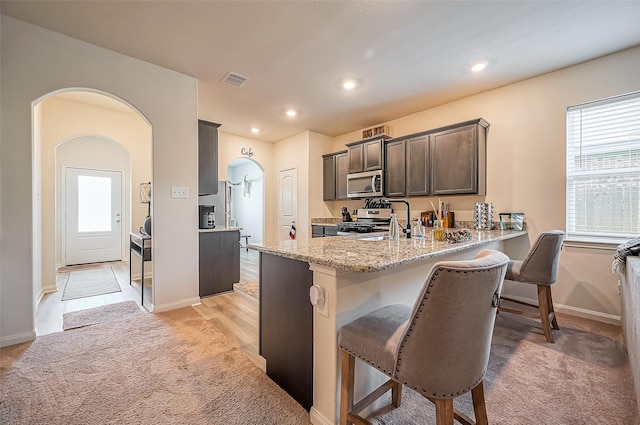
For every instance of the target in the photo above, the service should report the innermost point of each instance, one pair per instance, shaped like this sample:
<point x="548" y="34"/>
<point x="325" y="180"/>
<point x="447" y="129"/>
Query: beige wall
<point x="294" y="151"/>
<point x="526" y="166"/>
<point x="36" y="63"/>
<point x="63" y="120"/>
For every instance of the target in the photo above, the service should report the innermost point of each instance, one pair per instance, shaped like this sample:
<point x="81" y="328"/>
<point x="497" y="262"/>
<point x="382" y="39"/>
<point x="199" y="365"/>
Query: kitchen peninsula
<point x="354" y="275"/>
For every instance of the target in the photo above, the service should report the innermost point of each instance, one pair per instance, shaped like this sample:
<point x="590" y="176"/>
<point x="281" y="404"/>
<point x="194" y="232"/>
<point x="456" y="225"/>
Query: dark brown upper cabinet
<point x="407" y="166"/>
<point x="458" y="159"/>
<point x="417" y="149"/>
<point x="207" y="157"/>
<point x="449" y="160"/>
<point x="334" y="176"/>
<point x="395" y="170"/>
<point x="342" y="169"/>
<point x="366" y="155"/>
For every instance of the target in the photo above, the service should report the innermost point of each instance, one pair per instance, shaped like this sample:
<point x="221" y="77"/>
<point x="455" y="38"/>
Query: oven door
<point x="364" y="185"/>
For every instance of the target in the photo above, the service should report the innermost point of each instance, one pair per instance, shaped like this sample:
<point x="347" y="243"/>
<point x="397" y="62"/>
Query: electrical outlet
<point x="179" y="192"/>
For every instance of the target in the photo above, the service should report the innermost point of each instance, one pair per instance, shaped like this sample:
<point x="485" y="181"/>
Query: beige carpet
<point x="171" y="368"/>
<point x="108" y="313"/>
<point x="582" y="379"/>
<point x="176" y="368"/>
<point x="88" y="283"/>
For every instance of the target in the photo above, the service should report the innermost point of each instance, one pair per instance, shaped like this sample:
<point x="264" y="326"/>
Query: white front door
<point x="287" y="201"/>
<point x="93" y="216"/>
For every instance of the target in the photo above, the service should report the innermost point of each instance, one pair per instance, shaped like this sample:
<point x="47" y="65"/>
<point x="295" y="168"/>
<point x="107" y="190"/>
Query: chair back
<point x="445" y="348"/>
<point x="541" y="264"/>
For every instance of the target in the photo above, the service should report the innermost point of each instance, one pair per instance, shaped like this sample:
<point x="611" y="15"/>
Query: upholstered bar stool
<point x="539" y="268"/>
<point x="439" y="348"/>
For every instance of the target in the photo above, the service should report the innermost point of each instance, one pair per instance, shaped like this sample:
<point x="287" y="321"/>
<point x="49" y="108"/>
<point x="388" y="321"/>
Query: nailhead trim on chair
<point x="410" y="328"/>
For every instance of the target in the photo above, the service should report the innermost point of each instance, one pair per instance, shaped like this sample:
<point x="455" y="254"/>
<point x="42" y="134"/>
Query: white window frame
<point x="601" y="133"/>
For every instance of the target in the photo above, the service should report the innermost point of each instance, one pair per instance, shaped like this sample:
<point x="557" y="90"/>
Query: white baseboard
<point x="6" y="341"/>
<point x="587" y="314"/>
<point x="576" y="311"/>
<point x="174" y="305"/>
<point x="318" y="418"/>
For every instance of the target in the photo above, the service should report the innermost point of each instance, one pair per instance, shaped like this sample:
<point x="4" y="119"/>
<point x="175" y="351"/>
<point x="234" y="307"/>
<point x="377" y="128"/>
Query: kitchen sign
<point x="246" y="152"/>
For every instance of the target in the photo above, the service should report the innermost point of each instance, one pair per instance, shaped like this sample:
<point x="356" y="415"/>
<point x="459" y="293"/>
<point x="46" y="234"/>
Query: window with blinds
<point x="603" y="170"/>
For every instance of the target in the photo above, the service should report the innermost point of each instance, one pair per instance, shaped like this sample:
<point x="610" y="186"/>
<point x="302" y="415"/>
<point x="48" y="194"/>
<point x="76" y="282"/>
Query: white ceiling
<point x="409" y="55"/>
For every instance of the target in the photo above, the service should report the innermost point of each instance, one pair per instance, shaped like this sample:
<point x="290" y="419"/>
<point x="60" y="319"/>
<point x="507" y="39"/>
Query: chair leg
<point x="346" y="387"/>
<point x="552" y="312"/>
<point x="444" y="411"/>
<point x="479" y="408"/>
<point x="543" y="305"/>
<point x="396" y="394"/>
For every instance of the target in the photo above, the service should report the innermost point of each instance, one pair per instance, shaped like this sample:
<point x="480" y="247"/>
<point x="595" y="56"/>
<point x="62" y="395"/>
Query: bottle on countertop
<point x="418" y="228"/>
<point x="394" y="228"/>
<point x="354" y="216"/>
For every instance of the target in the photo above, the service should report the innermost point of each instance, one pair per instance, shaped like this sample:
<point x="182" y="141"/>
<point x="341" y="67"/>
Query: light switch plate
<point x="181" y="192"/>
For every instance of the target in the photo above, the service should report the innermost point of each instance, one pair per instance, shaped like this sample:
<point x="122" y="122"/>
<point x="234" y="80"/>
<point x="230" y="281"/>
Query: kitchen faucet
<point x="407" y="231"/>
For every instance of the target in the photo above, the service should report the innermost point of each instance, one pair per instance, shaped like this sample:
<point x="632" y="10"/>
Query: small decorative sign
<point x="382" y="130"/>
<point x="246" y="152"/>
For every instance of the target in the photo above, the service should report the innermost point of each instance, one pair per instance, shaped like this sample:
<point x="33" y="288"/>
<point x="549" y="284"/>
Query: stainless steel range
<point x="369" y="220"/>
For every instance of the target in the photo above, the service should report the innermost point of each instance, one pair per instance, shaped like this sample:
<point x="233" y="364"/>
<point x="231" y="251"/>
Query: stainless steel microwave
<point x="365" y="185"/>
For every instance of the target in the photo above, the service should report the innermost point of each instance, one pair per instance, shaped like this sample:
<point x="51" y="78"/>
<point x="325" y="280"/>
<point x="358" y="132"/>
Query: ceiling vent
<point x="235" y="79"/>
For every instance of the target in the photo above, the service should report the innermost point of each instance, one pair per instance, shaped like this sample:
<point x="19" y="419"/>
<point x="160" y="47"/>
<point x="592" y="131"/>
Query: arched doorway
<point x="246" y="197"/>
<point x="83" y="128"/>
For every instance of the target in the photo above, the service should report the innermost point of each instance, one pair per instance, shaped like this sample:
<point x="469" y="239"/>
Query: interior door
<point x="287" y="201"/>
<point x="93" y="216"/>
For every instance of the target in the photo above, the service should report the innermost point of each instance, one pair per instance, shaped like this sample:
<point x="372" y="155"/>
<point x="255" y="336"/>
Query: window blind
<point x="603" y="169"/>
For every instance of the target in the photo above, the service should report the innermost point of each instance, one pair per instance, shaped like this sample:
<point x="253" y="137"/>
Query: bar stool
<point x="246" y="241"/>
<point x="439" y="348"/>
<point x="539" y="268"/>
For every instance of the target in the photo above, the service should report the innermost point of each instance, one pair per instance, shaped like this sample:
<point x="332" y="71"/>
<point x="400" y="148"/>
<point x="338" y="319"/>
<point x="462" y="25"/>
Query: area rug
<point x="166" y="368"/>
<point x="251" y="289"/>
<point x="103" y="314"/>
<point x="88" y="283"/>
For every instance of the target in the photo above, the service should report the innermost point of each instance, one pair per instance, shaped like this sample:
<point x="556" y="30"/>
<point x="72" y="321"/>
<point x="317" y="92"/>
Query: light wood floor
<point x="234" y="313"/>
<point x="249" y="263"/>
<point x="51" y="307"/>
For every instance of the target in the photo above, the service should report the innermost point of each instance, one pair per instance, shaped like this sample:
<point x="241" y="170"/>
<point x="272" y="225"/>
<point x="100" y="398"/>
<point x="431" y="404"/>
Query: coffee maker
<point x="207" y="218"/>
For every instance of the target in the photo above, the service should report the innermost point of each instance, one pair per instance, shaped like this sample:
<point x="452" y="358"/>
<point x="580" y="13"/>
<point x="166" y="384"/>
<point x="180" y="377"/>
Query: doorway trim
<point x="45" y="261"/>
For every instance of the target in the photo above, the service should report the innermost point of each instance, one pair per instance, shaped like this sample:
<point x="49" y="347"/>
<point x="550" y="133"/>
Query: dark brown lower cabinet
<point x="286" y="325"/>
<point x="219" y="262"/>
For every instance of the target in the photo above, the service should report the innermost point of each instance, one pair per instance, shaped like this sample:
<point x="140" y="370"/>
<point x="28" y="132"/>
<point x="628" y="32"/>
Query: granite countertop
<point x="221" y="229"/>
<point x="353" y="253"/>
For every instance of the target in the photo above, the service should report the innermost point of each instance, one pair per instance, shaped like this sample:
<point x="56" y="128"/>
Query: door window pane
<point x="94" y="204"/>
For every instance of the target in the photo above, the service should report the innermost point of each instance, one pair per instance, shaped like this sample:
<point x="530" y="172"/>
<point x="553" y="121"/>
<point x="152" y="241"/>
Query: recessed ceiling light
<point x="255" y="130"/>
<point x="291" y="112"/>
<point x="479" y="66"/>
<point x="349" y="84"/>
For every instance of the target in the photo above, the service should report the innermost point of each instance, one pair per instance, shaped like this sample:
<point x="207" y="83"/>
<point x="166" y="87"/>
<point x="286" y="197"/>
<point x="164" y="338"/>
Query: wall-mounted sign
<point x="246" y="152"/>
